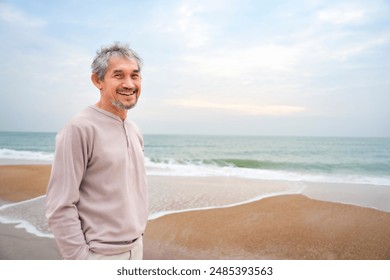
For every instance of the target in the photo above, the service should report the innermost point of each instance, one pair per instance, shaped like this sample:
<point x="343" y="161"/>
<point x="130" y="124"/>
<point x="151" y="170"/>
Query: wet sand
<point x="22" y="182"/>
<point x="277" y="227"/>
<point x="280" y="227"/>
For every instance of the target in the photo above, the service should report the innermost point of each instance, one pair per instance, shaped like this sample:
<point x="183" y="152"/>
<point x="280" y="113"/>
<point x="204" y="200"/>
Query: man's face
<point x="121" y="86"/>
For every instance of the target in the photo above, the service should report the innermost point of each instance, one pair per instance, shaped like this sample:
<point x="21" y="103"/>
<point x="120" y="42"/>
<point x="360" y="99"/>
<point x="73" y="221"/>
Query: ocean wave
<point x="337" y="172"/>
<point x="256" y="170"/>
<point x="25" y="155"/>
<point x="28" y="214"/>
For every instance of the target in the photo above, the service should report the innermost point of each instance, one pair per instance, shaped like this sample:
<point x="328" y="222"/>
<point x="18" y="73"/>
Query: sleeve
<point x="69" y="165"/>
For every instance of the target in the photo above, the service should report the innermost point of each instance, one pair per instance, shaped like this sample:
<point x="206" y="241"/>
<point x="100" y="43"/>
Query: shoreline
<point x="20" y="182"/>
<point x="192" y="211"/>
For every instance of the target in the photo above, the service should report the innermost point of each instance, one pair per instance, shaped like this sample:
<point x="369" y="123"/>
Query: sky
<point x="234" y="67"/>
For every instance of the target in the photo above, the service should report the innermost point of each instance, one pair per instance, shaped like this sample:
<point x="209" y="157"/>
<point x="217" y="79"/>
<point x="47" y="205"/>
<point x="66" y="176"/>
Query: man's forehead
<point x="119" y="64"/>
<point x="120" y="70"/>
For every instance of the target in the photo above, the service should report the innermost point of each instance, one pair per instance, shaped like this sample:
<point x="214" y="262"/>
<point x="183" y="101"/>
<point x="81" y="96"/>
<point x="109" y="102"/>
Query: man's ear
<point x="96" y="81"/>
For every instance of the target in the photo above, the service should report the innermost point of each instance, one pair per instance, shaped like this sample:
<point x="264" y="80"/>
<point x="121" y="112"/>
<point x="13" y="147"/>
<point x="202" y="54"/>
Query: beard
<point x="125" y="92"/>
<point x="122" y="106"/>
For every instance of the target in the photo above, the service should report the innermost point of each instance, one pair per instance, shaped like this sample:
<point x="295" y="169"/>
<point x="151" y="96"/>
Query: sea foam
<point x="25" y="155"/>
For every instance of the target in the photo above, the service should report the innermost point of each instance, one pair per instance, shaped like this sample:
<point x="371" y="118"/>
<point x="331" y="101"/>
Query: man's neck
<point x="121" y="113"/>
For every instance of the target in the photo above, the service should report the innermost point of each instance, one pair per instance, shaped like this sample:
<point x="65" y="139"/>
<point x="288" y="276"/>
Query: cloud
<point x="192" y="24"/>
<point x="262" y="60"/>
<point x="44" y="77"/>
<point x="182" y="24"/>
<point x="353" y="13"/>
<point x="275" y="110"/>
<point x="229" y="59"/>
<point x="192" y="28"/>
<point x="11" y="15"/>
<point x="359" y="48"/>
<point x="342" y="16"/>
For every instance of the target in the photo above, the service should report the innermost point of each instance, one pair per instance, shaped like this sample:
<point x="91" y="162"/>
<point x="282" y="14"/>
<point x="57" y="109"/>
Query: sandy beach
<point x="228" y="218"/>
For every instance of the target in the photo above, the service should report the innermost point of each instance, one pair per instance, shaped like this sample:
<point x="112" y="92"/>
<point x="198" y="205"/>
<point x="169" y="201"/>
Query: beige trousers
<point x="134" y="254"/>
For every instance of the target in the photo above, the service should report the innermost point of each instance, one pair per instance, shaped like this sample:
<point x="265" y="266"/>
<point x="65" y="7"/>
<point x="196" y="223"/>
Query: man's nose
<point x="128" y="83"/>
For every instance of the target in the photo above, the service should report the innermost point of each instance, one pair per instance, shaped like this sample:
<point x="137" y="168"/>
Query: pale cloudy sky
<point x="248" y="67"/>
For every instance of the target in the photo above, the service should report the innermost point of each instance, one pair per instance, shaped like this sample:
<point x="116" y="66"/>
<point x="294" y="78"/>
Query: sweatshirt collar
<point x="107" y="113"/>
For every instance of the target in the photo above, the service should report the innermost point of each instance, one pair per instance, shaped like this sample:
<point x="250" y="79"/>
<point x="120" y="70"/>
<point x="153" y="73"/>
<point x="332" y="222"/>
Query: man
<point x="97" y="193"/>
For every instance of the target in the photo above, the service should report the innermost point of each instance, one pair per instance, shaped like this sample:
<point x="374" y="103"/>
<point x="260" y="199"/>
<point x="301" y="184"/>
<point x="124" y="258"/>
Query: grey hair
<point x="100" y="62"/>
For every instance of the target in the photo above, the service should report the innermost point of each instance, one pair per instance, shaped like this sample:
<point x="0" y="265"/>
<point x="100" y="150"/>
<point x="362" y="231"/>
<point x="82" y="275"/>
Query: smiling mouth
<point x="126" y="92"/>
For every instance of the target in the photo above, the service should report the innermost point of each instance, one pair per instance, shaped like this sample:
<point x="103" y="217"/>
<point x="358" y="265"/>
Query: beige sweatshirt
<point x="97" y="195"/>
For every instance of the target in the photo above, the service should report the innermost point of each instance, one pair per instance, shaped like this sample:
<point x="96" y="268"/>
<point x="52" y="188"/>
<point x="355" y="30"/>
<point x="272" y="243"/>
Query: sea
<point x="315" y="159"/>
<point x="358" y="161"/>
